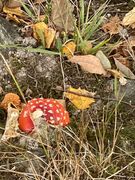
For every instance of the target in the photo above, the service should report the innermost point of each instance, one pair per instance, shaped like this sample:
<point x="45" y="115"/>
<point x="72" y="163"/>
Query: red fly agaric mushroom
<point x="52" y="111"/>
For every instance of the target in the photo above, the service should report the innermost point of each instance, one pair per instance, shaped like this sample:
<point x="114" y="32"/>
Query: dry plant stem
<point x="130" y="50"/>
<point x="63" y="75"/>
<point x="74" y="160"/>
<point x="118" y="4"/>
<point x="18" y="172"/>
<point x="76" y="139"/>
<point x="125" y="152"/>
<point x="125" y="167"/>
<point x="33" y="169"/>
<point x="13" y="77"/>
<point x="115" y="132"/>
<point x="95" y="97"/>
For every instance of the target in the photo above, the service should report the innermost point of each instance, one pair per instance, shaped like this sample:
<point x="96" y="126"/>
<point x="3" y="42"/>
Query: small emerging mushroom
<point x="51" y="110"/>
<point x="10" y="98"/>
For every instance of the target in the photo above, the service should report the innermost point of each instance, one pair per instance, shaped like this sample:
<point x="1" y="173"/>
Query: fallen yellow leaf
<point x="49" y="37"/>
<point x="16" y="11"/>
<point x="43" y="33"/>
<point x="68" y="49"/>
<point x="13" y="18"/>
<point x="39" y="31"/>
<point x="78" y="97"/>
<point x="15" y="14"/>
<point x="40" y="26"/>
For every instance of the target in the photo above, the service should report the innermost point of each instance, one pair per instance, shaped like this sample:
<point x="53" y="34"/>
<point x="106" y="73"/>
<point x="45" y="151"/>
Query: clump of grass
<point x="88" y="26"/>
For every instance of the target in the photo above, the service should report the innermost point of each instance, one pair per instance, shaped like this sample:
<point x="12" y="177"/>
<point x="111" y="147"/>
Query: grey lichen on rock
<point x="126" y="92"/>
<point x="8" y="32"/>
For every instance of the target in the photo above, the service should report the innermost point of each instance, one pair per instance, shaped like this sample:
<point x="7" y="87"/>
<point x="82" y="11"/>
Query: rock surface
<point x="33" y="71"/>
<point x="126" y="92"/>
<point x="8" y="32"/>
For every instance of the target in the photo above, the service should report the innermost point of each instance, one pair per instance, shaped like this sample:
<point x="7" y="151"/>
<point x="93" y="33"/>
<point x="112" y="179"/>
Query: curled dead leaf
<point x="11" y="17"/>
<point x="125" y="70"/>
<point x="11" y="127"/>
<point x="103" y="59"/>
<point x="123" y="60"/>
<point x="39" y="30"/>
<point x="43" y="33"/>
<point x="49" y="36"/>
<point x="16" y="11"/>
<point x="68" y="49"/>
<point x="15" y="14"/>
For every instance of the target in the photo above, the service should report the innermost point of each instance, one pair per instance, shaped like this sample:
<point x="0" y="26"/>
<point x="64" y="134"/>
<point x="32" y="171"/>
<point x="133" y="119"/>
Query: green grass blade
<point x="28" y="11"/>
<point x="81" y="2"/>
<point x="98" y="46"/>
<point x="43" y="51"/>
<point x="30" y="49"/>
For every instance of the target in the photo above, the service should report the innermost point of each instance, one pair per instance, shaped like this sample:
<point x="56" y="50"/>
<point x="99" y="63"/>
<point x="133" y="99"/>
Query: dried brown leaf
<point x="122" y="59"/>
<point x="14" y="3"/>
<point x="118" y="75"/>
<point x="89" y="63"/>
<point x="62" y="15"/>
<point x="113" y="26"/>
<point x="11" y="127"/>
<point x="129" y="19"/>
<point x="125" y="70"/>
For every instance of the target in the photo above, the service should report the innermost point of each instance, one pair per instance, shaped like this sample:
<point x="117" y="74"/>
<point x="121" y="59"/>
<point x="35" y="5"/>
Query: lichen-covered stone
<point x="8" y="32"/>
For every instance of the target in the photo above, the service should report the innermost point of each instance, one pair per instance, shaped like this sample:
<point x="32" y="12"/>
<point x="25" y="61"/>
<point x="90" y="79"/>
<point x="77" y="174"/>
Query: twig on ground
<point x="95" y="97"/>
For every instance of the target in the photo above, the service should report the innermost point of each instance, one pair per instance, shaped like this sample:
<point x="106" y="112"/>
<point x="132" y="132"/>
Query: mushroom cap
<point x="53" y="113"/>
<point x="10" y="98"/>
